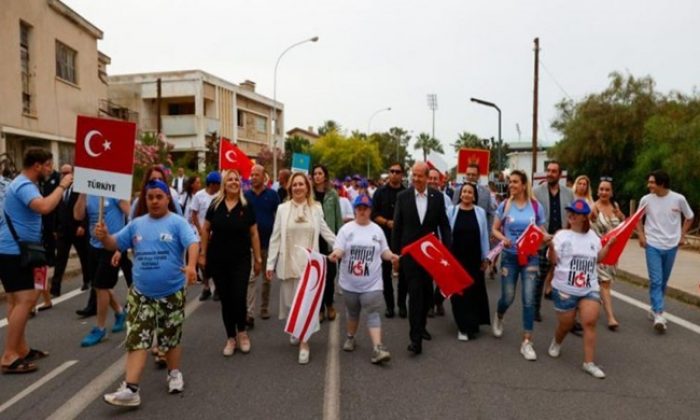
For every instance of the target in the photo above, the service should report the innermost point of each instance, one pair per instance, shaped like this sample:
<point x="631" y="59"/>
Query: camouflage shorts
<point x="147" y="317"/>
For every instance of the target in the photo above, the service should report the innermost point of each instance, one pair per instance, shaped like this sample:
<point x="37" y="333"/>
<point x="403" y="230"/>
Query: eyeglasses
<point x="395" y="171"/>
<point x="606" y="178"/>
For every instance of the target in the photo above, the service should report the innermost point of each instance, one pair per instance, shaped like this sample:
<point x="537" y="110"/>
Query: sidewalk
<point x="684" y="283"/>
<point x="72" y="271"/>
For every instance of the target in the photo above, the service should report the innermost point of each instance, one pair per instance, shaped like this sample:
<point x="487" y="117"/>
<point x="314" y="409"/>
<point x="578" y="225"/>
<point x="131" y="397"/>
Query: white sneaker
<point x="497" y="327"/>
<point x="554" y="348"/>
<point x="660" y="323"/>
<point x="304" y="356"/>
<point x="175" y="381"/>
<point x="593" y="370"/>
<point x="293" y="341"/>
<point x="123" y="397"/>
<point x="528" y="351"/>
<point x="349" y="344"/>
<point x="462" y="337"/>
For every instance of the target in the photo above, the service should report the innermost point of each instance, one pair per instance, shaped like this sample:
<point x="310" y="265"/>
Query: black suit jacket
<point x="67" y="225"/>
<point x="407" y="225"/>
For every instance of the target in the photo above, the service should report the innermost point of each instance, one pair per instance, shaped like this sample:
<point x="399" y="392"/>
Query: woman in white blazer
<point x="470" y="246"/>
<point x="298" y="223"/>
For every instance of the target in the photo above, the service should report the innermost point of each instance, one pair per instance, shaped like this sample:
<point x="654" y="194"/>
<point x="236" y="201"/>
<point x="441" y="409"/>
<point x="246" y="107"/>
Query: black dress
<point x="472" y="308"/>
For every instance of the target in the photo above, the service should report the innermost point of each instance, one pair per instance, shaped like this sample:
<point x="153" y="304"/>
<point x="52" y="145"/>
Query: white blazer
<point x="278" y="241"/>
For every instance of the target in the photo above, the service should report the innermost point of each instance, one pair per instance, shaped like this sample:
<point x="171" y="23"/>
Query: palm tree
<point x="427" y="144"/>
<point x="467" y="140"/>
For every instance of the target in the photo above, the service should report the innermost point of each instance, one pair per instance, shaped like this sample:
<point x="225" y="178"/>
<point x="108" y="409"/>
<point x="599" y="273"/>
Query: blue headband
<point x="157" y="183"/>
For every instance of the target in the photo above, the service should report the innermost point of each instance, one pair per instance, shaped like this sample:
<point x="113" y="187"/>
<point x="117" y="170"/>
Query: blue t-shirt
<point x="27" y="222"/>
<point x="114" y="219"/>
<point x="265" y="206"/>
<point x="159" y="246"/>
<point x="517" y="220"/>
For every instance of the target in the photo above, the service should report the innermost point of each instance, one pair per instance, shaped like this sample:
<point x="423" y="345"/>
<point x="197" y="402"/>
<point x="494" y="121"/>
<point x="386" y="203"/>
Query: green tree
<point x="427" y="144"/>
<point x="467" y="140"/>
<point x="295" y="144"/>
<point x="347" y="155"/>
<point x="329" y="126"/>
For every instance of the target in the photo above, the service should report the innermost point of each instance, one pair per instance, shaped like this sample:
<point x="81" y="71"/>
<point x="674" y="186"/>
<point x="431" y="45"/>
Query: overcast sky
<point x="392" y="53"/>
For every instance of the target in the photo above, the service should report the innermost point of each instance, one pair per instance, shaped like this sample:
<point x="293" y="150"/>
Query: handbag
<point x="31" y="254"/>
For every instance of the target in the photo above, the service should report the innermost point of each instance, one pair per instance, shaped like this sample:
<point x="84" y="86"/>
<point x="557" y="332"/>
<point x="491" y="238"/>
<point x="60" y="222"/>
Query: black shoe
<point x="415" y="348"/>
<point x="206" y="294"/>
<point x="84" y="287"/>
<point x="86" y="312"/>
<point x="577" y="329"/>
<point x="426" y="336"/>
<point x="215" y="297"/>
<point x="403" y="313"/>
<point x="431" y="313"/>
<point x="538" y="316"/>
<point x="250" y="322"/>
<point x="55" y="293"/>
<point x="389" y="313"/>
<point x="440" y="310"/>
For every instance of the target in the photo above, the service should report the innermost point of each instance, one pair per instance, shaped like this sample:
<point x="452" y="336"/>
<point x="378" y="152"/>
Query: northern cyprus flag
<point x="302" y="321"/>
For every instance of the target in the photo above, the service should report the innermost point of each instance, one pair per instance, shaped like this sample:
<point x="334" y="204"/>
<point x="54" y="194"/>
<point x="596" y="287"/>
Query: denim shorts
<point x="564" y="302"/>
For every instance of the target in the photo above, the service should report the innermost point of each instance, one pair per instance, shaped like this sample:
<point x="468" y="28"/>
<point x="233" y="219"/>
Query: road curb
<point x="671" y="291"/>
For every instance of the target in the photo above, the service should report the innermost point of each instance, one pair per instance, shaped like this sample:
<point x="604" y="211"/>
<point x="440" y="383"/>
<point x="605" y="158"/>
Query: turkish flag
<point x="529" y="243"/>
<point x="105" y="145"/>
<point x="437" y="260"/>
<point x="623" y="232"/>
<point x="231" y="157"/>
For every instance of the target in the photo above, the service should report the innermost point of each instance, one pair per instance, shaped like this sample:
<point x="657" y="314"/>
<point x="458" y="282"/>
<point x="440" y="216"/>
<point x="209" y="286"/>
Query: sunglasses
<point x="606" y="178"/>
<point x="395" y="171"/>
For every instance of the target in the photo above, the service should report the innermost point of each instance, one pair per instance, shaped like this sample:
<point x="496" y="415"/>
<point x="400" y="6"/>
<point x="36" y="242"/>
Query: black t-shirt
<point x="554" y="213"/>
<point x="230" y="232"/>
<point x="383" y="205"/>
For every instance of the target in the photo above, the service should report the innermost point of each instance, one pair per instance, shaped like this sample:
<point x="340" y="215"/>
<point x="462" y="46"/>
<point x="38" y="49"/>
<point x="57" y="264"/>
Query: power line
<point x="554" y="79"/>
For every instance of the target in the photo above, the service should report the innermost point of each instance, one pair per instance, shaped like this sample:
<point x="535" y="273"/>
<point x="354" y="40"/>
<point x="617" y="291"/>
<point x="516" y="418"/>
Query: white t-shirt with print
<point x="577" y="254"/>
<point x="662" y="227"/>
<point x="200" y="204"/>
<point x="361" y="267"/>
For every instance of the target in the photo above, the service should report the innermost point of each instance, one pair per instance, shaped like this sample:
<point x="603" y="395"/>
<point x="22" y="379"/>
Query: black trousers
<point x="63" y="246"/>
<point x="387" y="280"/>
<point x="420" y="297"/>
<point x="231" y="281"/>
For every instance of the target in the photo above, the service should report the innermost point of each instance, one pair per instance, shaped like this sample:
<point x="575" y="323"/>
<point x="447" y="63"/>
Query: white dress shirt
<point x="421" y="203"/>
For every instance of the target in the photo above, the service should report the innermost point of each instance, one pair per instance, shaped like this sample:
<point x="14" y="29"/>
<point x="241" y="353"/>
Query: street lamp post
<point x="273" y="138"/>
<point x="369" y="127"/>
<point x="500" y="140"/>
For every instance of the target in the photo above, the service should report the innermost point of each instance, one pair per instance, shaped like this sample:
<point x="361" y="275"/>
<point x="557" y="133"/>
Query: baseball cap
<point x="362" y="200"/>
<point x="213" y="177"/>
<point x="579" y="207"/>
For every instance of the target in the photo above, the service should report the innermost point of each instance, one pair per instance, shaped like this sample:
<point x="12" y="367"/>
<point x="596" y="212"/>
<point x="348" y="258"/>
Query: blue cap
<point x="348" y="179"/>
<point x="362" y="200"/>
<point x="213" y="177"/>
<point x="364" y="183"/>
<point x="579" y="206"/>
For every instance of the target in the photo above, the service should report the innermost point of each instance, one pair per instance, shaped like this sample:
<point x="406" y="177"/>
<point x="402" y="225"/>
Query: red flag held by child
<point x="231" y="157"/>
<point x="623" y="232"/>
<point x="529" y="243"/>
<point x="437" y="260"/>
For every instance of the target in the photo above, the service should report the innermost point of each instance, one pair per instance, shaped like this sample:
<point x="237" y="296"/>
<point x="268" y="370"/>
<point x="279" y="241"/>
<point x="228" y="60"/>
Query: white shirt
<point x="577" y="256"/>
<point x="421" y="203"/>
<point x="346" y="209"/>
<point x="200" y="204"/>
<point x="361" y="267"/>
<point x="353" y="193"/>
<point x="662" y="227"/>
<point x="179" y="184"/>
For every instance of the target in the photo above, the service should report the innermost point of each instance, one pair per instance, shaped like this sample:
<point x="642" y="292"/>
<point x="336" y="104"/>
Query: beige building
<point x="308" y="134"/>
<point x="196" y="106"/>
<point x="50" y="71"/>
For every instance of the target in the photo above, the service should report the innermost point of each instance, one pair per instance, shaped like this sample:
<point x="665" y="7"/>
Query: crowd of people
<point x="237" y="235"/>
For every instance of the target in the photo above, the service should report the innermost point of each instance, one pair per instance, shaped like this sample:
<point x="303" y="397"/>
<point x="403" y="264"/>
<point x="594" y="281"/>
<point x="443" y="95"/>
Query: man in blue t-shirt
<point x="103" y="265"/>
<point x="23" y="208"/>
<point x="156" y="302"/>
<point x="264" y="202"/>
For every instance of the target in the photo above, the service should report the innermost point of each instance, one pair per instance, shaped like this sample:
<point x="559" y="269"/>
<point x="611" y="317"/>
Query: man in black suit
<point x="419" y="211"/>
<point x="70" y="233"/>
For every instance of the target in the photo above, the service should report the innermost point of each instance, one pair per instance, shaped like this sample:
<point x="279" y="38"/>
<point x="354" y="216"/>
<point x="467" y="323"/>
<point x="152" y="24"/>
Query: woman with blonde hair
<point x="228" y="234"/>
<point x="582" y="189"/>
<point x="298" y="224"/>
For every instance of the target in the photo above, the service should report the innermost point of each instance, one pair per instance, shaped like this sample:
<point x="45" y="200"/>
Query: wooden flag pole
<point x="101" y="211"/>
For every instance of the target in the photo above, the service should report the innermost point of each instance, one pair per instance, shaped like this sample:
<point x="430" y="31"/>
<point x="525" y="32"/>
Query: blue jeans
<point x="510" y="271"/>
<point x="659" y="265"/>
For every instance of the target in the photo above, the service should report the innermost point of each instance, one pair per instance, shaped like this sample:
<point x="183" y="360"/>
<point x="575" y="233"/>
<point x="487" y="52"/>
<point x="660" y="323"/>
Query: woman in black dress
<point x="470" y="245"/>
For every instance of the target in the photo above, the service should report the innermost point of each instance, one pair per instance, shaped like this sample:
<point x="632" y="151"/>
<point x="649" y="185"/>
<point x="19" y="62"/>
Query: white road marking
<point x="93" y="390"/>
<point x="33" y="387"/>
<point x="331" y="389"/>
<point x="55" y="301"/>
<point x="670" y="317"/>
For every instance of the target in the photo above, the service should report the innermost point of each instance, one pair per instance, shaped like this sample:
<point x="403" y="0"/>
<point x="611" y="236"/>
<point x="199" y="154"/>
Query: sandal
<point x="160" y="359"/>
<point x="44" y="308"/>
<point x="19" y="366"/>
<point x="35" y="354"/>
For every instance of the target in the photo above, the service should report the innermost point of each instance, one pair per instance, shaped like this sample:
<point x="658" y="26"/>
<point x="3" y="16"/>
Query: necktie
<point x="66" y="194"/>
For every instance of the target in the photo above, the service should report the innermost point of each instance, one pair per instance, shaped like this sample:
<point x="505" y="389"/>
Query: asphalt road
<point x="648" y="376"/>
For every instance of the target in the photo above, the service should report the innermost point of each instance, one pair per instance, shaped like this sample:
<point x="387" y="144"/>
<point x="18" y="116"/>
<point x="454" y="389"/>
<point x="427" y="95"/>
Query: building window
<point x="27" y="103"/>
<point x="240" y="118"/>
<point x="261" y="124"/>
<point x="66" y="63"/>
<point x="185" y="108"/>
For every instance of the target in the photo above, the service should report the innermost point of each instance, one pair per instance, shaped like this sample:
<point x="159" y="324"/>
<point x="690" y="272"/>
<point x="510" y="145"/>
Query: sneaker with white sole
<point x="462" y="336"/>
<point x="123" y="397"/>
<point x="380" y="354"/>
<point x="528" y="351"/>
<point x="175" y="381"/>
<point x="349" y="344"/>
<point x="593" y="370"/>
<point x="660" y="323"/>
<point x="293" y="341"/>
<point x="497" y="327"/>
<point x="304" y="355"/>
<point x="554" y="348"/>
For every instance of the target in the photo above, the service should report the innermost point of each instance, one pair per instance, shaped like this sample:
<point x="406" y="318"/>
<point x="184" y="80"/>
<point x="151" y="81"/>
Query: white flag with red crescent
<point x="302" y="321"/>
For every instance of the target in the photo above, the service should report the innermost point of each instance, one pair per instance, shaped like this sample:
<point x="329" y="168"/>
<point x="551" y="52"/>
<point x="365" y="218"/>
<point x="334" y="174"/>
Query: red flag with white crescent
<point x="623" y="232"/>
<point x="302" y="321"/>
<point x="437" y="260"/>
<point x="529" y="243"/>
<point x="231" y="157"/>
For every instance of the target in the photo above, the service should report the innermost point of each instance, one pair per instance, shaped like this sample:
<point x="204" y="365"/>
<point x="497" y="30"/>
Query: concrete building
<point x="520" y="157"/>
<point x="309" y="134"/>
<point x="194" y="107"/>
<point x="50" y="71"/>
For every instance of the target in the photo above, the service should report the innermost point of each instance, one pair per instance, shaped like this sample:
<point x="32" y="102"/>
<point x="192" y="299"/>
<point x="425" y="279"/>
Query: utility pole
<point x="158" y="96"/>
<point x="534" y="106"/>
